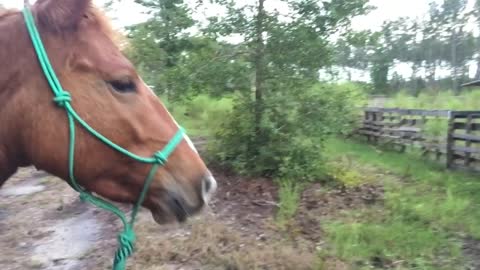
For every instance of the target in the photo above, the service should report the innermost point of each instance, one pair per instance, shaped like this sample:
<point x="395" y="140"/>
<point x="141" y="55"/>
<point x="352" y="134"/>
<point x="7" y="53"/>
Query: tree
<point x="381" y="58"/>
<point x="160" y="42"/>
<point x="453" y="20"/>
<point x="476" y="14"/>
<point x="431" y="45"/>
<point x="285" y="52"/>
<point x="351" y="51"/>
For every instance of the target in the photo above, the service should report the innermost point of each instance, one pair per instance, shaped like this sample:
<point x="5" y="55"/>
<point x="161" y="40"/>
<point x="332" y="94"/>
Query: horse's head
<point x="110" y="96"/>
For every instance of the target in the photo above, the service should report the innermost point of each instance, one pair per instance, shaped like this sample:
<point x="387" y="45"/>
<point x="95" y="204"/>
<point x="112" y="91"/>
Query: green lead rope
<point x="63" y="99"/>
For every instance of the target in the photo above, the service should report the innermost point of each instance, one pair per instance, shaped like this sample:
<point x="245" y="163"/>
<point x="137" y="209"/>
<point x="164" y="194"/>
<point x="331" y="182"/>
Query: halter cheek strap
<point x="63" y="99"/>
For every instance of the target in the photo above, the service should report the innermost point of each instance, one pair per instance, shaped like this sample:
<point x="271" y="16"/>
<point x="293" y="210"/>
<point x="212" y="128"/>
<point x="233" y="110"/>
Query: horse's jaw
<point x="173" y="208"/>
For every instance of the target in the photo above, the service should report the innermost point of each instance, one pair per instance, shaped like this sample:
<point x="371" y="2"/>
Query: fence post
<point x="468" y="142"/>
<point x="366" y="118"/>
<point x="450" y="140"/>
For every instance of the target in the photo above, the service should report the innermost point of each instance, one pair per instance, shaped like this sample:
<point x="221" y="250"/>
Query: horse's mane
<point x="4" y="12"/>
<point x="97" y="15"/>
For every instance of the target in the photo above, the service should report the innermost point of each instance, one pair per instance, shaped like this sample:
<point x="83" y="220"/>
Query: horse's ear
<point x="61" y="15"/>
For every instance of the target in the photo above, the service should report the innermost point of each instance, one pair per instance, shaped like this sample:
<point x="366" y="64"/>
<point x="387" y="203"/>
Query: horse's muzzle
<point x="178" y="206"/>
<point x="182" y="210"/>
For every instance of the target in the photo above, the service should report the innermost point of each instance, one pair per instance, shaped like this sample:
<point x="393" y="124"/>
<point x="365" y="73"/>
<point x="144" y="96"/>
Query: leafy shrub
<point x="201" y="114"/>
<point x="293" y="130"/>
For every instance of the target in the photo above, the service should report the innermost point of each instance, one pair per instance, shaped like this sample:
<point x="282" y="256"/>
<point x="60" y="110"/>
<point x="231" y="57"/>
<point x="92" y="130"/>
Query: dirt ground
<point x="44" y="225"/>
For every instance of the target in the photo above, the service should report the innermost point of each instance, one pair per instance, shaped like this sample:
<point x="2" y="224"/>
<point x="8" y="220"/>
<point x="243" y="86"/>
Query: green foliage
<point x="293" y="131"/>
<point x="379" y="74"/>
<point x="157" y="44"/>
<point x="289" y="198"/>
<point x="178" y="64"/>
<point x="202" y="114"/>
<point x="277" y="129"/>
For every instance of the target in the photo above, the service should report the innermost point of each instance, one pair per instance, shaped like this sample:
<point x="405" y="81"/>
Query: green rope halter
<point x="63" y="99"/>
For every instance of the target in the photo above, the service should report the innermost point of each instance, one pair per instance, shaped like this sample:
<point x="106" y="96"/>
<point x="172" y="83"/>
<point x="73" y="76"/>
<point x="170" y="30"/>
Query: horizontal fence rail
<point x="453" y="136"/>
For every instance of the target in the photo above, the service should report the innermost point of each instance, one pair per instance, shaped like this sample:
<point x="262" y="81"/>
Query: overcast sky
<point x="129" y="12"/>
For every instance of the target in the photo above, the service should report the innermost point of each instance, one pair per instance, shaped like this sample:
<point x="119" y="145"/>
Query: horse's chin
<point x="161" y="218"/>
<point x="173" y="208"/>
<point x="166" y="215"/>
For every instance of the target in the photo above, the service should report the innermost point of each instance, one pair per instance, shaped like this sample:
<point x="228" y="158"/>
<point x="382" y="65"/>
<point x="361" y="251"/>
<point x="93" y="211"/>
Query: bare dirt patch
<point x="36" y="232"/>
<point x="319" y="204"/>
<point x="52" y="229"/>
<point x="471" y="249"/>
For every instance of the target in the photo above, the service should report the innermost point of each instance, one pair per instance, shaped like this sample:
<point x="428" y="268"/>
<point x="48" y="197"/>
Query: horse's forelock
<point x="93" y="14"/>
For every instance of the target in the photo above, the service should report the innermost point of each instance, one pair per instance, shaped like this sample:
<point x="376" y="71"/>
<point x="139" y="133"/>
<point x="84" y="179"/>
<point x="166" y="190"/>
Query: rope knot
<point x="63" y="98"/>
<point x="160" y="158"/>
<point x="84" y="197"/>
<point x="127" y="241"/>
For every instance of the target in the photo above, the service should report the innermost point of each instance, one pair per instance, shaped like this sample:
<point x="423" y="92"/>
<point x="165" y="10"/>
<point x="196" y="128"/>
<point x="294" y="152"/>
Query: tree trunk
<point x="414" y="79"/>
<point x="431" y="68"/>
<point x="454" y="61"/>
<point x="259" y="69"/>
<point x="477" y="73"/>
<point x="433" y="74"/>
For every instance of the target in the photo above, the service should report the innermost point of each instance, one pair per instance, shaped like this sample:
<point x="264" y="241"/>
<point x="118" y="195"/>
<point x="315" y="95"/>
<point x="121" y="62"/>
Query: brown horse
<point x="108" y="94"/>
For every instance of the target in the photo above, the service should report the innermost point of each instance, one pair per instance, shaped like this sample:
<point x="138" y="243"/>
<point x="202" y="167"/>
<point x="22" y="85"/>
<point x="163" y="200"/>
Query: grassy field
<point x="444" y="100"/>
<point x="426" y="215"/>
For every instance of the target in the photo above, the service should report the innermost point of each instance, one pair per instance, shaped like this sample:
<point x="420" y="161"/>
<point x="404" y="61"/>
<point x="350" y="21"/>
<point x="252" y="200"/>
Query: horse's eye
<point x="123" y="86"/>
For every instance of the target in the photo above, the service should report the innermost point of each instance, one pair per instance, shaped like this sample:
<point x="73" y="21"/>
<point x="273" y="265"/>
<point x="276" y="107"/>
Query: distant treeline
<point x="445" y="39"/>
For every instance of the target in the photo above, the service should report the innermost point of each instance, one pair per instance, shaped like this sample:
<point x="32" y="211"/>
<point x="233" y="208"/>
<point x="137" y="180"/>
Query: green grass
<point x="385" y="244"/>
<point x="446" y="100"/>
<point x="289" y="198"/>
<point x="426" y="210"/>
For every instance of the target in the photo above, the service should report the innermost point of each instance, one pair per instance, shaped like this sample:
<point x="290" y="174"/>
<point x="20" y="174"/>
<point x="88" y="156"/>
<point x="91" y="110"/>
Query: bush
<point x="201" y="114"/>
<point x="293" y="129"/>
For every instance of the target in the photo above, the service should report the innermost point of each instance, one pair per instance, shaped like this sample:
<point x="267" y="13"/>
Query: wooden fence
<point x="451" y="136"/>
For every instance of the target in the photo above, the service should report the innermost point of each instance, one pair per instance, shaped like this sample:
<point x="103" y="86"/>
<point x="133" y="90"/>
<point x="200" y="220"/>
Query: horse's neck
<point x="11" y="73"/>
<point x="11" y="47"/>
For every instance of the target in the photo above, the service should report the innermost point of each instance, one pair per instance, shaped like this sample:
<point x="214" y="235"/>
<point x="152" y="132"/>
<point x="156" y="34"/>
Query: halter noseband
<point x="63" y="99"/>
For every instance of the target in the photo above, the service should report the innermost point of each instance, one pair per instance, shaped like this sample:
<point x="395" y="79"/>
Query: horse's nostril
<point x="209" y="185"/>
